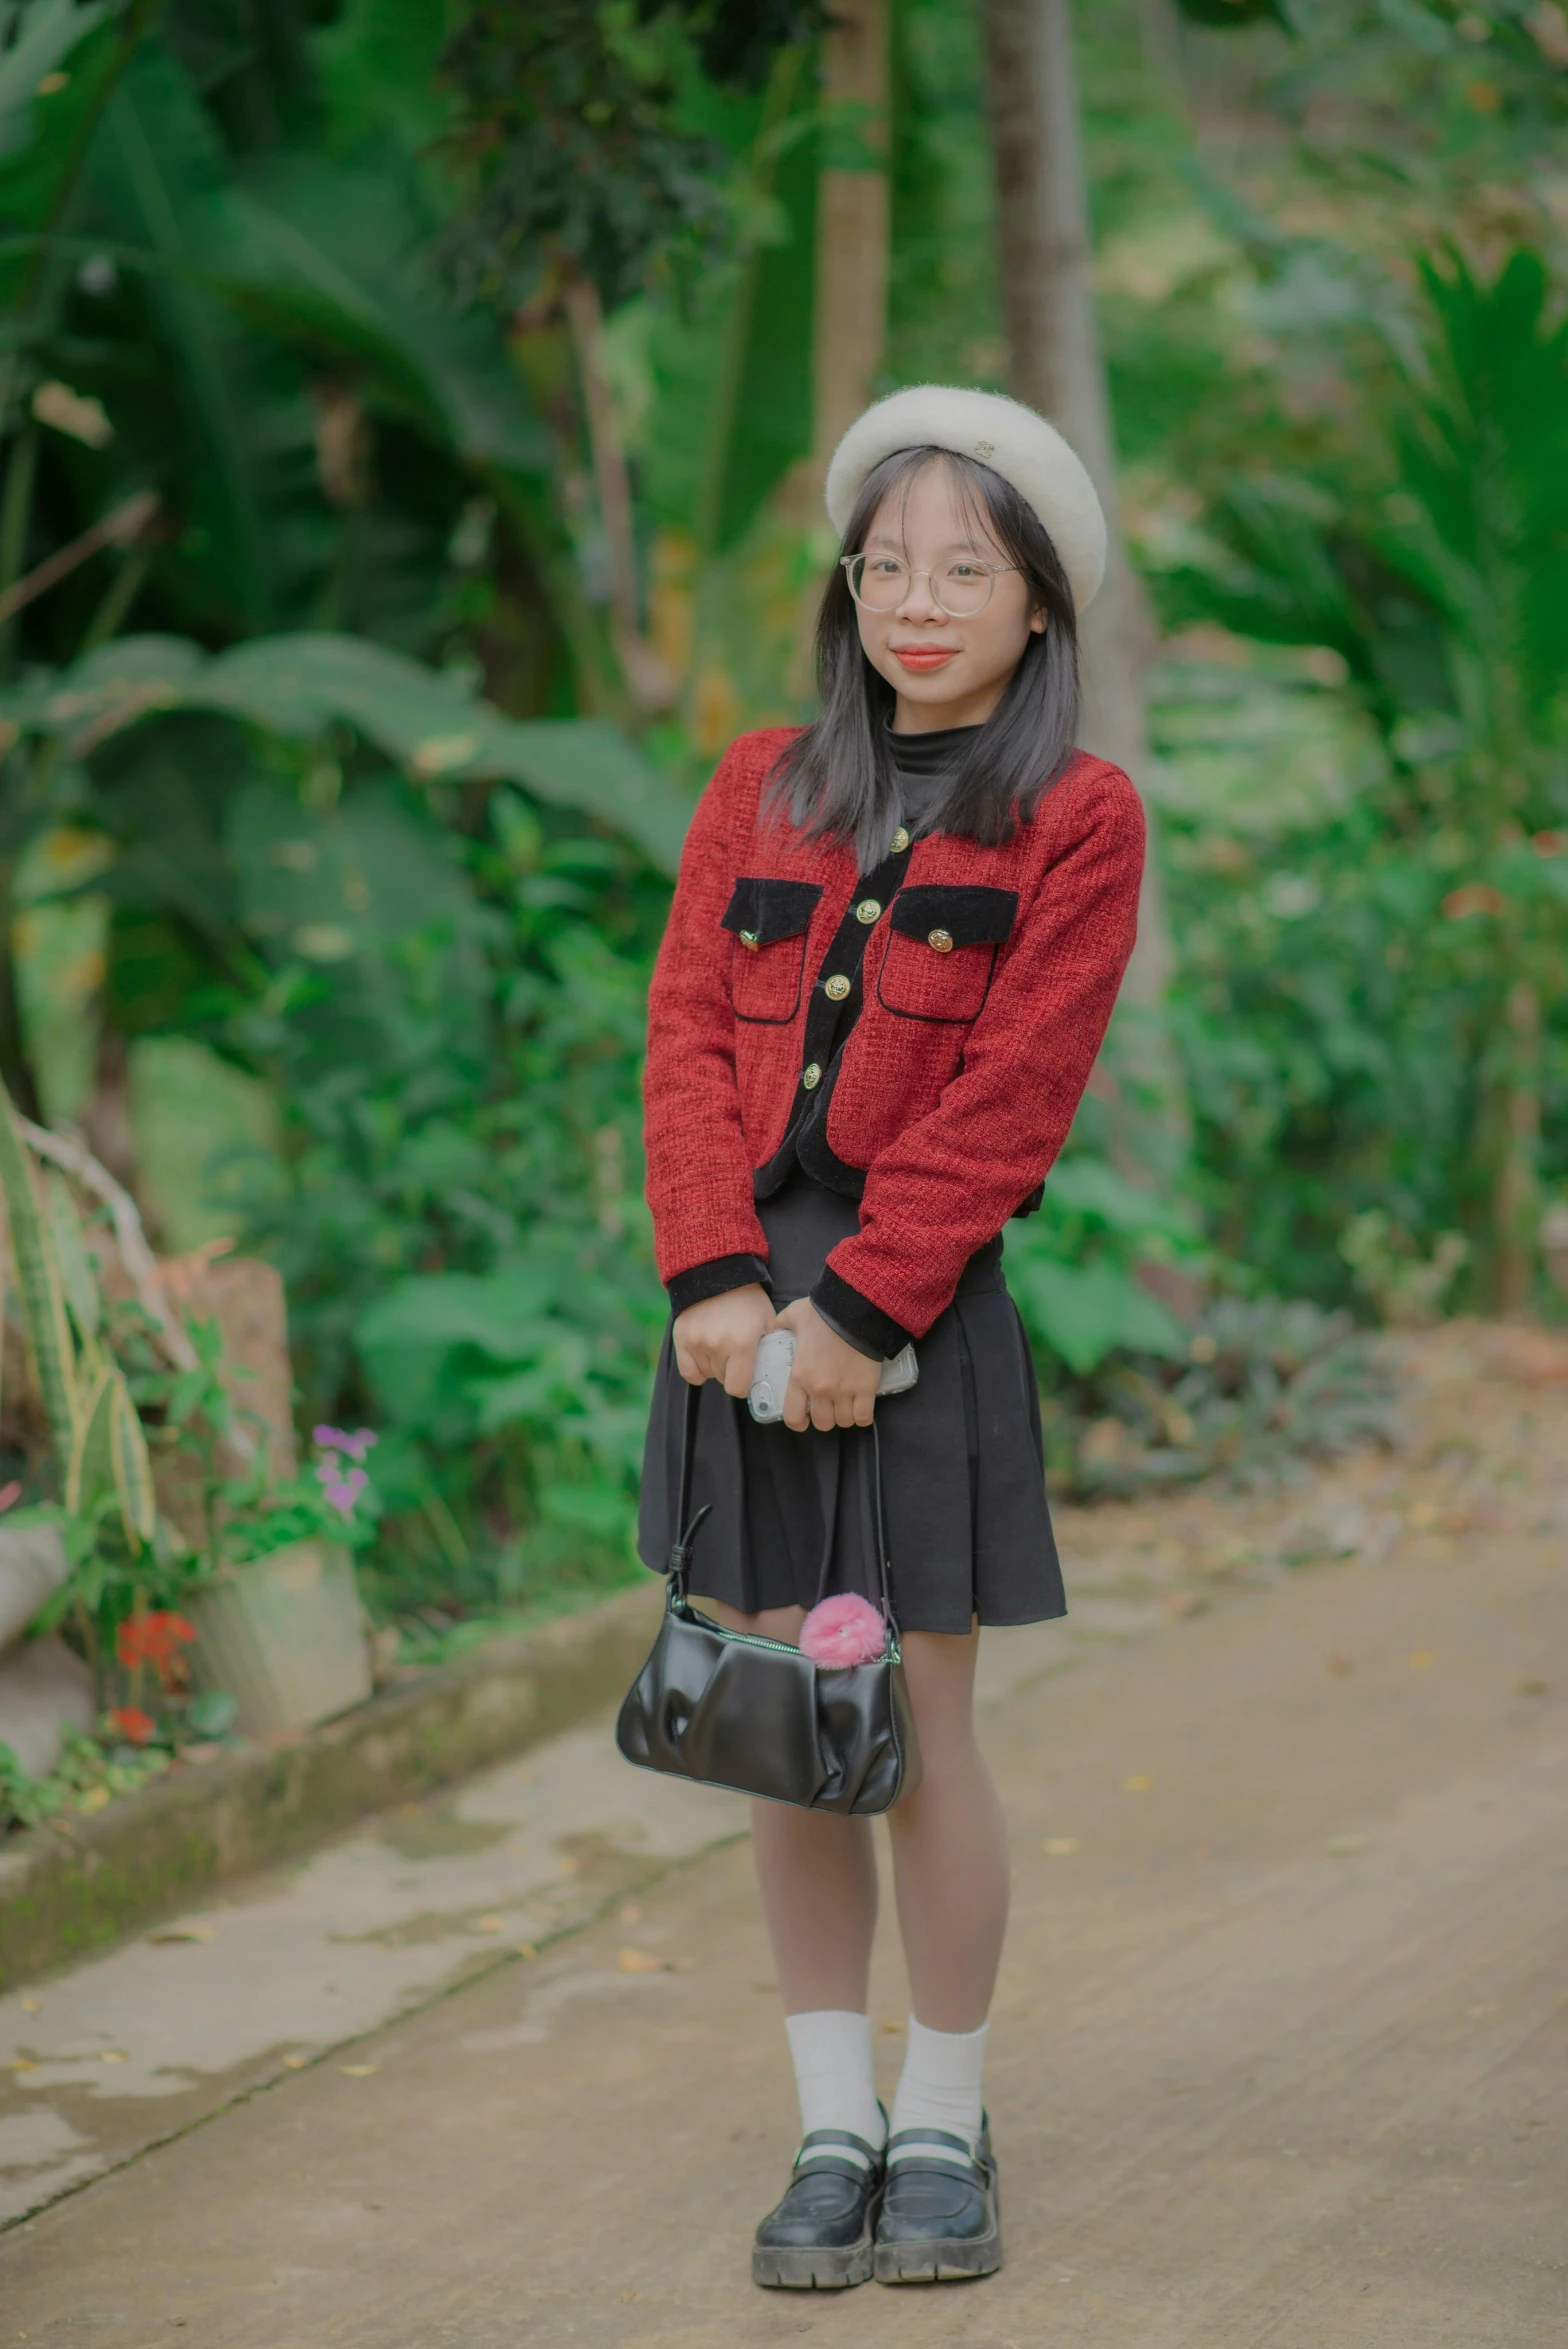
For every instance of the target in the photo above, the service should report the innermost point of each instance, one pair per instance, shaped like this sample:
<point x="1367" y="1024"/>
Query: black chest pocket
<point x="942" y="948"/>
<point x="769" y="921"/>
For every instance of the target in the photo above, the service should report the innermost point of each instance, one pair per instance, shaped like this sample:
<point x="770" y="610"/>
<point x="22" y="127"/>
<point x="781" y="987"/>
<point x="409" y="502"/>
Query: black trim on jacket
<point x="714" y="1279"/>
<point x="866" y="1326"/>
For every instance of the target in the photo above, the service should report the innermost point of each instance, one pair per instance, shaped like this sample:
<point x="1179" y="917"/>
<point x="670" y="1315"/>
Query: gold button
<point x="867" y="910"/>
<point x="811" y="1077"/>
<point x="900" y="841"/>
<point x="750" y="939"/>
<point x="837" y="987"/>
<point x="942" y="940"/>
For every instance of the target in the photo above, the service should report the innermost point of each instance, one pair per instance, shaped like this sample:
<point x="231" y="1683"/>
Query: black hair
<point x="836" y="781"/>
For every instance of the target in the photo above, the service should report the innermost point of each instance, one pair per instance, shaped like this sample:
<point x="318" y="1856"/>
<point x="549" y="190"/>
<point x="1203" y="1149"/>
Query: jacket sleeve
<point x="707" y="1237"/>
<point x="950" y="1181"/>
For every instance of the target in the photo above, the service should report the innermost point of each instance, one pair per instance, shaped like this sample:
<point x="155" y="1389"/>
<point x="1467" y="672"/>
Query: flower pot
<point x="286" y="1636"/>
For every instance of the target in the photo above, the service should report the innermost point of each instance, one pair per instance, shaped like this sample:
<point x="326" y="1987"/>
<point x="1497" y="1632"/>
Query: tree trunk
<point x="652" y="686"/>
<point x="850" y="323"/>
<point x="1055" y="365"/>
<point x="849" y="303"/>
<point x="1516" y="1202"/>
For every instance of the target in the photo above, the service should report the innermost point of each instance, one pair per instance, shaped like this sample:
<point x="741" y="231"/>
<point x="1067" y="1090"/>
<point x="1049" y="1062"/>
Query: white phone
<point x="776" y="1359"/>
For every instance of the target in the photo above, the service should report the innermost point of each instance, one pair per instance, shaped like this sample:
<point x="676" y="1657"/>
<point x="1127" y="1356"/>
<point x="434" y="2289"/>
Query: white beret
<point x="1001" y="433"/>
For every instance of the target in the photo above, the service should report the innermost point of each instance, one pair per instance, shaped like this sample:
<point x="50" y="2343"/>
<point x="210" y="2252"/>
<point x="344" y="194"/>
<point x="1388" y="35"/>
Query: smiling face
<point x="944" y="672"/>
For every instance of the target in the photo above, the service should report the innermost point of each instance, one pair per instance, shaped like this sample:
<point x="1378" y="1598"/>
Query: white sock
<point x="832" y="2054"/>
<point x="939" y="2086"/>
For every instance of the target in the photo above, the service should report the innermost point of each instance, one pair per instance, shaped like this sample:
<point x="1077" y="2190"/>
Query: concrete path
<point x="121" y="2053"/>
<point x="1280" y="2052"/>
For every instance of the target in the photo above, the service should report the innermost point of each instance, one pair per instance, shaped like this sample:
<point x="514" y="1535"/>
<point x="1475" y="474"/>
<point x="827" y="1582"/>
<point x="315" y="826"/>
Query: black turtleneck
<point x="925" y="764"/>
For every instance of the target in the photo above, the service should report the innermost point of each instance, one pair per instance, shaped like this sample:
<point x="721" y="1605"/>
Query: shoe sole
<point x="938" y="2263"/>
<point x="822" y="2269"/>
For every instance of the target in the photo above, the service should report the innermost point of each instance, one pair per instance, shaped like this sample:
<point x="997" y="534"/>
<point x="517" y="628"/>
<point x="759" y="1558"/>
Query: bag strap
<point x="687" y="1525"/>
<point x="879" y="1530"/>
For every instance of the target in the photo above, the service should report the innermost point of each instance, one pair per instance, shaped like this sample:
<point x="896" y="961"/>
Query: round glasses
<point x="960" y="588"/>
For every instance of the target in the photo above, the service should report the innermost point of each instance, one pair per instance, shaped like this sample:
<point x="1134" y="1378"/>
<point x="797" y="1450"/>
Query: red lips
<point x="924" y="656"/>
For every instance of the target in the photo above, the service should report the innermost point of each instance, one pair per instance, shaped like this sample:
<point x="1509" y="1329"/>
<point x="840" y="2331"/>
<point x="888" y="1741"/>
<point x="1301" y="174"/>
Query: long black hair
<point x="836" y="782"/>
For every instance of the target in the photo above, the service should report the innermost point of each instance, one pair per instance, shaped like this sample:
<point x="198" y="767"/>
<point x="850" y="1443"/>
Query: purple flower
<point x="343" y="1491"/>
<point x="337" y="1439"/>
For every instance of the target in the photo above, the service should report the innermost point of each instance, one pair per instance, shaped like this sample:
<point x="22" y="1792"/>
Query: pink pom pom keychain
<point x="843" y="1630"/>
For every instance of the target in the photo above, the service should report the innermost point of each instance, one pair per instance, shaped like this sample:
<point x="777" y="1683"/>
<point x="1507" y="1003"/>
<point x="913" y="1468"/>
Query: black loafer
<point x="818" y="2239"/>
<point x="940" y="2219"/>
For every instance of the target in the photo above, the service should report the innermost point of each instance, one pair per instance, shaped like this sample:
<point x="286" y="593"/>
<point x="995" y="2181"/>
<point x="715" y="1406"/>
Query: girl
<point x="894" y="947"/>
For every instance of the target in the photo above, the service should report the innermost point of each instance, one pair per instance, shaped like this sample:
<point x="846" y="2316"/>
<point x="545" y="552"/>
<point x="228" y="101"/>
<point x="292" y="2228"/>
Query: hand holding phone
<point x="776" y="1359"/>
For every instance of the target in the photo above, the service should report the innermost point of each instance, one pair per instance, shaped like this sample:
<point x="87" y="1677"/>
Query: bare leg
<point x="817" y="1876"/>
<point x="949" y="1842"/>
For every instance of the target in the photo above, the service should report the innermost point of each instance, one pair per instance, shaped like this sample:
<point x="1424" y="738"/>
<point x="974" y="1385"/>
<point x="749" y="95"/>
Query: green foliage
<point x="1230" y="13"/>
<point x="89" y="1774"/>
<point x="581" y="135"/>
<point x="1259" y="1387"/>
<point x="467" y="1254"/>
<point x="304" y="685"/>
<point x="1378" y="1020"/>
<point x="1072" y="1266"/>
<point x="103" y="1470"/>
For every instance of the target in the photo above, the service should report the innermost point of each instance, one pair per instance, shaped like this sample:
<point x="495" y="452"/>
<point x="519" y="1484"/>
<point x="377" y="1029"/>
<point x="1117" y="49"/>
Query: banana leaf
<point x="155" y="168"/>
<point x="296" y="685"/>
<point x="132" y="1467"/>
<point x="89" y="1469"/>
<point x="39" y="1285"/>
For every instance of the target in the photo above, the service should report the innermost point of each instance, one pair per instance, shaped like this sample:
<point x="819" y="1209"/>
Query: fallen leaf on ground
<point x="570" y="1867"/>
<point x="94" y="1799"/>
<point x="1340" y="1847"/>
<point x="1138" y="1783"/>
<point x="358" y="2071"/>
<point x="293" y="2063"/>
<point x="631" y="1915"/>
<point x="526" y="1949"/>
<point x="185" y="1933"/>
<point x="113" y="2055"/>
<point x="1060" y="1845"/>
<point x="1339" y="1664"/>
<point x="21" y="2063"/>
<point x="30" y="2006"/>
<point x="640" y="1961"/>
<point x="488" y="1925"/>
<point x="1522" y="1688"/>
<point x="1182" y="1602"/>
<point x="1420" y="1659"/>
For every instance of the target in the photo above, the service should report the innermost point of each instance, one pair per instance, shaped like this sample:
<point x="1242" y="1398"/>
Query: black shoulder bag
<point x="732" y="1709"/>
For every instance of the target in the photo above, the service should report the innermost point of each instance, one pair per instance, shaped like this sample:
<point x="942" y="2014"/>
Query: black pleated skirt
<point x="969" y="1532"/>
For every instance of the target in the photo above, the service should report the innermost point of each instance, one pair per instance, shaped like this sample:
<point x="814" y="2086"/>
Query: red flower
<point x="135" y="1726"/>
<point x="156" y="1639"/>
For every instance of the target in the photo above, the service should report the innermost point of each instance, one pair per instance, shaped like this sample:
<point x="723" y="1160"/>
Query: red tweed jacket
<point x="917" y="1036"/>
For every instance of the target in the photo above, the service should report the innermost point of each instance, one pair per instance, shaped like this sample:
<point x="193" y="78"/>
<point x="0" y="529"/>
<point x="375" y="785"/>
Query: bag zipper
<point x="781" y="1647"/>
